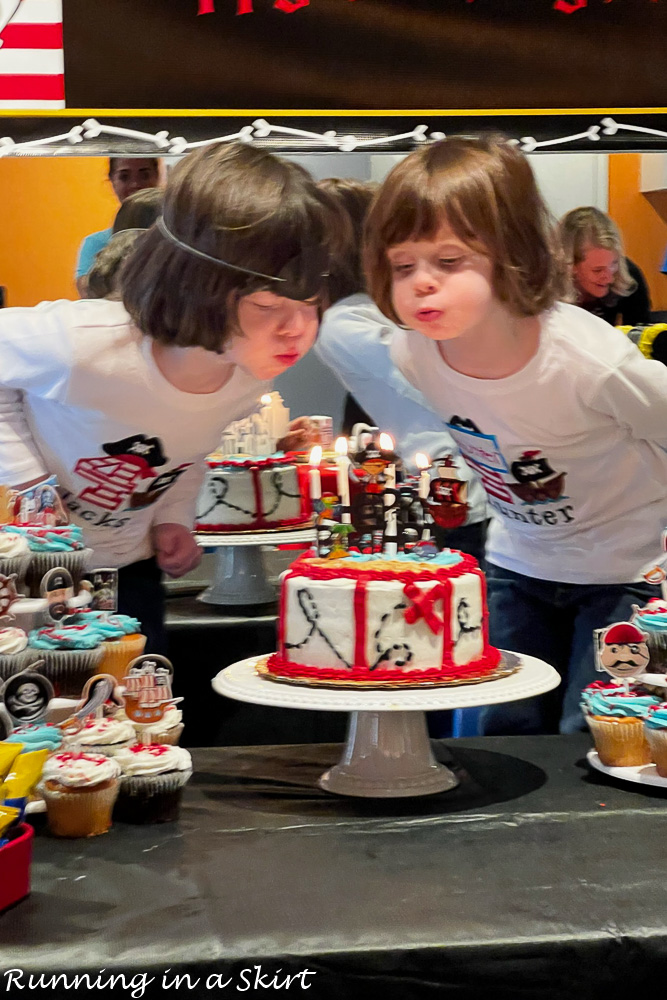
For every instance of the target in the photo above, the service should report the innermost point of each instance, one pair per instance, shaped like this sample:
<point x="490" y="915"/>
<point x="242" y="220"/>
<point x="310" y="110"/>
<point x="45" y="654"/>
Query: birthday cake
<point x="377" y="621"/>
<point x="251" y="494"/>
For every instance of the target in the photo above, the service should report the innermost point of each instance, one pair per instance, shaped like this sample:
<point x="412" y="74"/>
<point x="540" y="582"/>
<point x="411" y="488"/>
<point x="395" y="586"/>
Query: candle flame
<point x="315" y="455"/>
<point x="386" y="442"/>
<point x="265" y="400"/>
<point x="422" y="461"/>
<point x="341" y="446"/>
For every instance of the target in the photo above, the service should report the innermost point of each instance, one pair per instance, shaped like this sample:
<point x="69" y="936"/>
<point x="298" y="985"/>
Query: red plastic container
<point x="15" y="858"/>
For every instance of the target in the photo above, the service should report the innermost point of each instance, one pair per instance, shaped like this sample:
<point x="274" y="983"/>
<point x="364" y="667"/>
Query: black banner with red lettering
<point x="365" y="55"/>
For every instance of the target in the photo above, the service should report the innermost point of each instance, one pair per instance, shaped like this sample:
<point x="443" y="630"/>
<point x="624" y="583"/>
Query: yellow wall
<point x="642" y="219"/>
<point x="47" y="206"/>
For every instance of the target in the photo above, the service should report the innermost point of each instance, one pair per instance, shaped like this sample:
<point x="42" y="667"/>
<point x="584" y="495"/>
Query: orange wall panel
<point x="47" y="206"/>
<point x="642" y="219"/>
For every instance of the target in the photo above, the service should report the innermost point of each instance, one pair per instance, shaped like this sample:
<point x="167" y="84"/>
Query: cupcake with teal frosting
<point x="655" y="730"/>
<point x="616" y="721"/>
<point x="52" y="546"/>
<point x="71" y="653"/>
<point x="119" y="635"/>
<point x="40" y="736"/>
<point x="652" y="619"/>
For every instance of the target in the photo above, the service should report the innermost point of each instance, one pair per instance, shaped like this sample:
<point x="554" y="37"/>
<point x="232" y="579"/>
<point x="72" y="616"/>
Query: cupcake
<point x="14" y="654"/>
<point x="167" y="731"/>
<point x="103" y="736"/>
<point x="652" y="619"/>
<point x="71" y="654"/>
<point x="40" y="736"/>
<point x="51" y="547"/>
<point x="79" y="790"/>
<point x="14" y="556"/>
<point x="655" y="730"/>
<point x="152" y="782"/>
<point x="119" y="635"/>
<point x="616" y="721"/>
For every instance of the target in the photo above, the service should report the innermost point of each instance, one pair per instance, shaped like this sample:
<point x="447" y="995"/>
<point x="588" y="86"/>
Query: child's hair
<point x="140" y="210"/>
<point x="103" y="277"/>
<point x="253" y="217"/>
<point x="485" y="190"/>
<point x="353" y="198"/>
<point x="585" y="228"/>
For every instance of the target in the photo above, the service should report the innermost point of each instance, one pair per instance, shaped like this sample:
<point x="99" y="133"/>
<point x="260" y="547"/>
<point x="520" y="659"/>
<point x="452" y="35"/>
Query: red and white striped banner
<point x="32" y="72"/>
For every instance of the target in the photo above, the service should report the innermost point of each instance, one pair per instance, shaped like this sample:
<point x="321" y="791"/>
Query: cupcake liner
<point x="79" y="812"/>
<point x="119" y="653"/>
<point x="14" y="663"/>
<point x="18" y="565"/>
<point x="41" y="562"/>
<point x="657" y="741"/>
<point x="69" y="669"/>
<point x="620" y="742"/>
<point x="154" y="784"/>
<point x="165" y="737"/>
<point x="154" y="798"/>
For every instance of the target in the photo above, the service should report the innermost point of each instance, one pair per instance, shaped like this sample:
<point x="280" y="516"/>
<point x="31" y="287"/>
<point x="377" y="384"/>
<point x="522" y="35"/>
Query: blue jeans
<point x="554" y="622"/>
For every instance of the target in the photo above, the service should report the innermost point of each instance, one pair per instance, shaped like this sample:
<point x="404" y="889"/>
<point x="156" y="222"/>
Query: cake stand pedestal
<point x="240" y="575"/>
<point x="388" y="753"/>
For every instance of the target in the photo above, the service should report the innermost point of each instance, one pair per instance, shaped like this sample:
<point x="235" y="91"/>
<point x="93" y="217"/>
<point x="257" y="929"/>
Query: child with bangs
<point x="122" y="400"/>
<point x="563" y="419"/>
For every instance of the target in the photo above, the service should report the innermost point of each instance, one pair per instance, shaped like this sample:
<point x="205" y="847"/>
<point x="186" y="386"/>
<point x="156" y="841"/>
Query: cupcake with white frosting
<point x="152" y="782"/>
<point x="167" y="731"/>
<point x="103" y="736"/>
<point x="14" y="557"/>
<point x="14" y="653"/>
<point x="79" y="790"/>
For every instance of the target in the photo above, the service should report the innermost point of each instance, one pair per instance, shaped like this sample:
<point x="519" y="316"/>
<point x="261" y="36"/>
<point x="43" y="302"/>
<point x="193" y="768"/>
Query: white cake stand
<point x="240" y="575"/>
<point x="388" y="752"/>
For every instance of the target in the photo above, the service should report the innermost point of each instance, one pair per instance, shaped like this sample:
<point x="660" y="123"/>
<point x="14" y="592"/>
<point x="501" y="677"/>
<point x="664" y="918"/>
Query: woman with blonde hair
<point x="604" y="281"/>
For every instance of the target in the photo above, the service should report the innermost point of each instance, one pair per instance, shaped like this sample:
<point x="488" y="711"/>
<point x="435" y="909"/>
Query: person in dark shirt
<point x="605" y="282"/>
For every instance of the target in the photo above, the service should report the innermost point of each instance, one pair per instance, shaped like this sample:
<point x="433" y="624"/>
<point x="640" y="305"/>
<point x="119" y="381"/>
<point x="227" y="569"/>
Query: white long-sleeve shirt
<point x="82" y="397"/>
<point x="354" y="341"/>
<point x="570" y="449"/>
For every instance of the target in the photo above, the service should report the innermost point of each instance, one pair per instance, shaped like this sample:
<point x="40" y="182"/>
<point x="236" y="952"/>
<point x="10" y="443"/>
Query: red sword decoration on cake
<point x="422" y="606"/>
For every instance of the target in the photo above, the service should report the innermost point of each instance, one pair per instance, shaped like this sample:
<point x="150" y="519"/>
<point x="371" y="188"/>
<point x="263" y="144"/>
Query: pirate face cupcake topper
<point x="622" y="651"/>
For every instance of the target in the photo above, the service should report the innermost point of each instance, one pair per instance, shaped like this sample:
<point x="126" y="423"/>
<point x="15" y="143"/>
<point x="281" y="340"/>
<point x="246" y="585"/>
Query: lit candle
<point x="423" y="464"/>
<point x="390" y="548"/>
<point x="343" y="478"/>
<point x="314" y="480"/>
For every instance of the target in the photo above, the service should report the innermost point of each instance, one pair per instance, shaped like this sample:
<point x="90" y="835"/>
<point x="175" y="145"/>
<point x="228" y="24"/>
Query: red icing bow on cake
<point x="423" y="602"/>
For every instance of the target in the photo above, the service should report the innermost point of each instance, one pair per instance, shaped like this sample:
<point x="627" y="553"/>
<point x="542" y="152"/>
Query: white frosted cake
<point x="251" y="494"/>
<point x="370" y="620"/>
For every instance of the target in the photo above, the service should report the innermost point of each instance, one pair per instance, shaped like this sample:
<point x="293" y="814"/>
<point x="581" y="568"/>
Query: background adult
<point x="605" y="282"/>
<point x="126" y="175"/>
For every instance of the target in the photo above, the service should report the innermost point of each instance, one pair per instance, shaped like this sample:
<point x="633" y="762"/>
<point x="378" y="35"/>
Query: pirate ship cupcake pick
<point x="147" y="692"/>
<point x="448" y="495"/>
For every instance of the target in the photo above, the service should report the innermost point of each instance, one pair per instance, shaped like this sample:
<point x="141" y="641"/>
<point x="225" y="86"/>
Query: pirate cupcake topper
<point x="622" y="651"/>
<point x="147" y="691"/>
<point x="57" y="587"/>
<point x="26" y="696"/>
<point x="8" y="592"/>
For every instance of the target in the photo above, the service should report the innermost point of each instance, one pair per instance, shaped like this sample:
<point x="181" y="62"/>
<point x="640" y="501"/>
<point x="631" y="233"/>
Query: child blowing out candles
<point x="123" y="400"/>
<point x="563" y="419"/>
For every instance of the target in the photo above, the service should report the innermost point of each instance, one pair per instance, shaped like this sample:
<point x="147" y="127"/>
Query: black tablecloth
<point x="534" y="878"/>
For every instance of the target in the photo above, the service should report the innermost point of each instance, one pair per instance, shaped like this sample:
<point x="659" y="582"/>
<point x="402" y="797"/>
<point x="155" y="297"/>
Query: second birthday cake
<point x="378" y="621"/>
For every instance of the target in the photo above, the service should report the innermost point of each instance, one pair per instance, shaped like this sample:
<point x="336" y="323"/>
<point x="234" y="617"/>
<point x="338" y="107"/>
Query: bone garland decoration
<point x="312" y="614"/>
<point x="260" y="129"/>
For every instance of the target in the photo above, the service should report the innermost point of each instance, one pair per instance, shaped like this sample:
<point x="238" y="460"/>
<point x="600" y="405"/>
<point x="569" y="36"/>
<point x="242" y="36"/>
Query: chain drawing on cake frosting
<point x="399" y="654"/>
<point x="219" y="487"/>
<point x="311" y="613"/>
